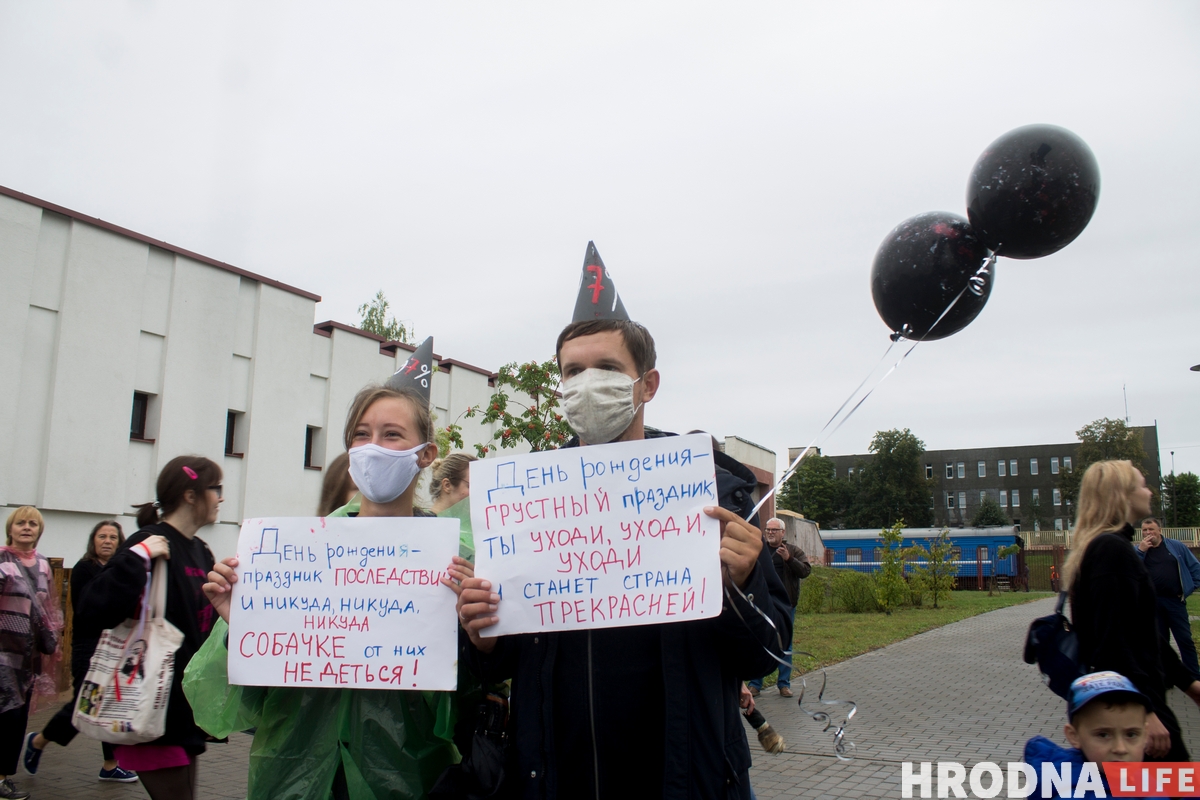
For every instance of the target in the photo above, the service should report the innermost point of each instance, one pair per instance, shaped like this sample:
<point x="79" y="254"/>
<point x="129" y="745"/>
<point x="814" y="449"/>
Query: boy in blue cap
<point x="1106" y="722"/>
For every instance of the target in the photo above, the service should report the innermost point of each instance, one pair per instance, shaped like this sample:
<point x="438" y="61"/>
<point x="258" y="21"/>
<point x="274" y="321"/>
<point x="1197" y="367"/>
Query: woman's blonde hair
<point x="20" y="515"/>
<point x="455" y="466"/>
<point x="336" y="484"/>
<point x="1104" y="505"/>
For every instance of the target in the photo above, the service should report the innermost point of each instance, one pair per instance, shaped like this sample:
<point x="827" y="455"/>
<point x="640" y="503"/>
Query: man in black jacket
<point x="791" y="565"/>
<point x="637" y="712"/>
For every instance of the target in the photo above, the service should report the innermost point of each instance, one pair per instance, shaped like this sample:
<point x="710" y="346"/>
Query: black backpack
<point x="1054" y="647"/>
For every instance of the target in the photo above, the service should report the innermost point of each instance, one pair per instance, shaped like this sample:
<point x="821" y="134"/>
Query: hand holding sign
<point x="220" y="585"/>
<point x="741" y="543"/>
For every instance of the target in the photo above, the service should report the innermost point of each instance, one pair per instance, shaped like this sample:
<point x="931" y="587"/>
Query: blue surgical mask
<point x="381" y="474"/>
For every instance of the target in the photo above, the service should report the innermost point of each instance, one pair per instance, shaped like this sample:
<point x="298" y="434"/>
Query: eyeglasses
<point x="219" y="489"/>
<point x="774" y="530"/>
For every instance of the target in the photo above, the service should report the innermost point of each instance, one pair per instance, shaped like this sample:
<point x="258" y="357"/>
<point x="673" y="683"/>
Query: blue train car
<point x="975" y="549"/>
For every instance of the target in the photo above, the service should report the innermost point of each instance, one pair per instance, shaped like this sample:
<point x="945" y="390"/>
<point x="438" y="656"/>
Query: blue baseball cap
<point x="1086" y="689"/>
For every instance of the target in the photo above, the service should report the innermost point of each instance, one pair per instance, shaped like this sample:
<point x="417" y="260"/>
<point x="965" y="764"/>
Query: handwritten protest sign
<point x="600" y="536"/>
<point x="341" y="602"/>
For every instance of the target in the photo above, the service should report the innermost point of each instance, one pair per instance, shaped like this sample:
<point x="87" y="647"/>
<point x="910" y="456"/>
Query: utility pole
<point x="1124" y="395"/>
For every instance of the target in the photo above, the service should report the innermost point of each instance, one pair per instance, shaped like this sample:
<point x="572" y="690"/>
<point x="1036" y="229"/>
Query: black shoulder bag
<point x="1054" y="647"/>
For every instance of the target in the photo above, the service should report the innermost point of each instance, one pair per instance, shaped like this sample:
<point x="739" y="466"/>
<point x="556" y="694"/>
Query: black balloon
<point x="1033" y="191"/>
<point x="921" y="267"/>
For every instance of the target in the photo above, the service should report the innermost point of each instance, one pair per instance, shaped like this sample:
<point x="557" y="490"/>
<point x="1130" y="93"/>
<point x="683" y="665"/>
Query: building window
<point x="137" y="425"/>
<point x="1058" y="523"/>
<point x="230" y="430"/>
<point x="982" y="497"/>
<point x="949" y="469"/>
<point x="1012" y="467"/>
<point x="235" y="434"/>
<point x="1003" y="499"/>
<point x="962" y="500"/>
<point x="1035" y="498"/>
<point x="982" y="469"/>
<point x="312" y="448"/>
<point x="1037" y="525"/>
<point x="854" y="555"/>
<point x="929" y="471"/>
<point x="1033" y="466"/>
<point x="1016" y="501"/>
<point x="949" y="499"/>
<point x="1056" y="496"/>
<point x="962" y="470"/>
<point x="1000" y="468"/>
<point x="849" y="471"/>
<point x="1067" y="463"/>
<point x="1054" y="465"/>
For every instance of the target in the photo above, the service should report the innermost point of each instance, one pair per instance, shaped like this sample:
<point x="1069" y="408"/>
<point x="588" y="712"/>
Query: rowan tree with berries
<point x="537" y="421"/>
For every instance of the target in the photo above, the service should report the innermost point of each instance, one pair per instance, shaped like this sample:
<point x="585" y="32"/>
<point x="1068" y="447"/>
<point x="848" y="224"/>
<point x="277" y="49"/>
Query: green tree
<point x="1035" y="517"/>
<point x="935" y="568"/>
<point x="1181" y="500"/>
<point x="890" y="588"/>
<point x="989" y="513"/>
<point x="892" y="485"/>
<point x="813" y="490"/>
<point x="525" y="404"/>
<point x="1101" y="440"/>
<point x="375" y="319"/>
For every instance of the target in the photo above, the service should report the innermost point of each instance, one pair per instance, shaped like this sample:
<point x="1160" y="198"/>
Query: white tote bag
<point x="124" y="696"/>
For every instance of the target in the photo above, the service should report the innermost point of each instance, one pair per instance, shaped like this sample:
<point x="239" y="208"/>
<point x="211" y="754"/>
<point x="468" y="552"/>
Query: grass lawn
<point x="836" y="637"/>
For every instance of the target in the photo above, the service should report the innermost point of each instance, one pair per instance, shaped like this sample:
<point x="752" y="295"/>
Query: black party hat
<point x="416" y="372"/>
<point x="597" y="298"/>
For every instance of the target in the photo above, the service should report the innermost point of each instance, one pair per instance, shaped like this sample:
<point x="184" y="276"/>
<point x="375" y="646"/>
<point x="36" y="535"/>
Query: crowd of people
<point x="652" y="711"/>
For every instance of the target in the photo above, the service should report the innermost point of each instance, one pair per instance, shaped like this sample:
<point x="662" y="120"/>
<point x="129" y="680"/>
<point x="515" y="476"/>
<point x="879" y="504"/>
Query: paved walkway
<point x="958" y="693"/>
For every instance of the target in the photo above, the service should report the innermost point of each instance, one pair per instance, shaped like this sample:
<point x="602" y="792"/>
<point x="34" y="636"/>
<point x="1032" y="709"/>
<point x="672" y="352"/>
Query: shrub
<point x="814" y="591"/>
<point x="890" y="590"/>
<point x="917" y="589"/>
<point x="855" y="592"/>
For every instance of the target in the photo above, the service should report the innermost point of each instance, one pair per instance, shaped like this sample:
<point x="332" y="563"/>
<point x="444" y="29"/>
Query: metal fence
<point x="1046" y="551"/>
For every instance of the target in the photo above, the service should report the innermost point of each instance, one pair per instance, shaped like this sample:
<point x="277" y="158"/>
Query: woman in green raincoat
<point x="313" y="744"/>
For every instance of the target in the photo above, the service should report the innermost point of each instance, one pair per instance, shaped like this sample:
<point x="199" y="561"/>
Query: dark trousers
<point x="61" y="729"/>
<point x="1173" y="619"/>
<point x="12" y="736"/>
<point x="1178" y="751"/>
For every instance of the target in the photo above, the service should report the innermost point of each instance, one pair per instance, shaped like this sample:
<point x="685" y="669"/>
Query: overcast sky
<point x="736" y="164"/>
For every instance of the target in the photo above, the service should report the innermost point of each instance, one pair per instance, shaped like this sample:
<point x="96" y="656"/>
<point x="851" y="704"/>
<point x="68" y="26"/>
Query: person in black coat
<point x="645" y="711"/>
<point x="105" y="539"/>
<point x="189" y="496"/>
<point x="1113" y="602"/>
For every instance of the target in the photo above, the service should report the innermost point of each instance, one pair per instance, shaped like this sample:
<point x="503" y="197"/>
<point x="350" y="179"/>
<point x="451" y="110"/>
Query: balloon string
<point x="843" y="748"/>
<point x="821" y="436"/>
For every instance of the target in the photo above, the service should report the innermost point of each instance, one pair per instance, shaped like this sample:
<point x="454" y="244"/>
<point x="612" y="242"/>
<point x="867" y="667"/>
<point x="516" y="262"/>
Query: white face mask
<point x="381" y="474"/>
<point x="598" y="404"/>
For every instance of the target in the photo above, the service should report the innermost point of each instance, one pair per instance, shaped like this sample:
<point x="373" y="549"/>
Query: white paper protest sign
<point x="599" y="537"/>
<point x="344" y="602"/>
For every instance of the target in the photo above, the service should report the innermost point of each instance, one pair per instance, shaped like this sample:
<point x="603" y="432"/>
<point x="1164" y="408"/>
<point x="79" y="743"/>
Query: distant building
<point x="1021" y="479"/>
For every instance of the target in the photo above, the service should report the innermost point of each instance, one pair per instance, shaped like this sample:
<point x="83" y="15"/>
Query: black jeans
<point x="12" y="736"/>
<point x="1173" y="619"/>
<point x="61" y="729"/>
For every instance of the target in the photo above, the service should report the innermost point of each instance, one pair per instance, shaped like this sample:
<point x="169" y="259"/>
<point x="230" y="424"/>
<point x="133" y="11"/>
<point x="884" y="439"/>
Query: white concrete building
<point x="119" y="352"/>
